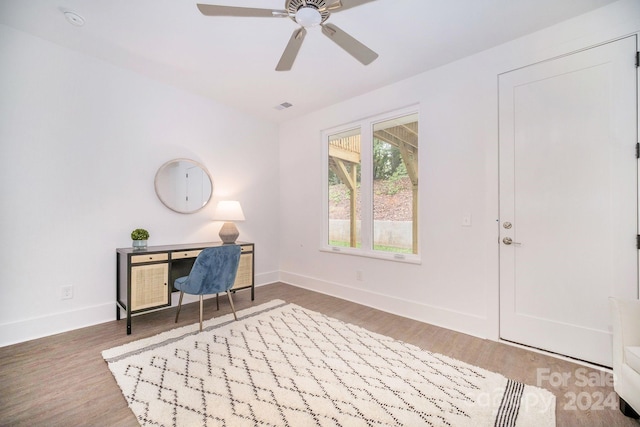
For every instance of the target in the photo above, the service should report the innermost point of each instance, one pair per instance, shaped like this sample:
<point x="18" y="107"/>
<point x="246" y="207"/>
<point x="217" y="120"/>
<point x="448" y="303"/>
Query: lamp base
<point x="228" y="233"/>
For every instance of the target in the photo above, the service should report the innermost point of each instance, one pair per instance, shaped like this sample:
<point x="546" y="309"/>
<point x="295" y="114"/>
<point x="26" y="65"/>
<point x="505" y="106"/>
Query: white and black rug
<point x="283" y="365"/>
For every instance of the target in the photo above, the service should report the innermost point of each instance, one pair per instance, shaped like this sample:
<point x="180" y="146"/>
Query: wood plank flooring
<point x="62" y="380"/>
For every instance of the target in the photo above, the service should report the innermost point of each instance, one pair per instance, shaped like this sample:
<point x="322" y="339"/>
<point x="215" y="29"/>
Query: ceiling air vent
<point x="283" y="106"/>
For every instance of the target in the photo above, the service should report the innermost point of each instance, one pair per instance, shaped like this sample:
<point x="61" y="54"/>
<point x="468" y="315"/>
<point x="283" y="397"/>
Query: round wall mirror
<point x="183" y="185"/>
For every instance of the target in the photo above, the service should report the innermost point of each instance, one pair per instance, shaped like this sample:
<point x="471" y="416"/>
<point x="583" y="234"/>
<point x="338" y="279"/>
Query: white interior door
<point x="194" y="197"/>
<point x="568" y="199"/>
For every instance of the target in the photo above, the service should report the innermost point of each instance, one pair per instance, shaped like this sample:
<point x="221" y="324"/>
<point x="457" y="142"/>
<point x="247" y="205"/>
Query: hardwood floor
<point x="62" y="380"/>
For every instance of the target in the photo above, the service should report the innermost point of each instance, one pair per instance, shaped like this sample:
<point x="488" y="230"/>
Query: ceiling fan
<point x="306" y="13"/>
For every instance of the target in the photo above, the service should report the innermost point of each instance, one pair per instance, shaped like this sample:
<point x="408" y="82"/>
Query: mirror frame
<point x="167" y="203"/>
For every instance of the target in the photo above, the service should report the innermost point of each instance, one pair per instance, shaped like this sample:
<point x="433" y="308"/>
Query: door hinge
<point x="638" y="241"/>
<point x="637" y="150"/>
<point x="637" y="59"/>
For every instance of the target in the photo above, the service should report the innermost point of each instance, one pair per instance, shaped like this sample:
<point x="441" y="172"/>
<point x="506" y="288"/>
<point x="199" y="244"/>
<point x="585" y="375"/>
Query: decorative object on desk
<point x="281" y="364"/>
<point x="228" y="211"/>
<point x="183" y="185"/>
<point x="139" y="237"/>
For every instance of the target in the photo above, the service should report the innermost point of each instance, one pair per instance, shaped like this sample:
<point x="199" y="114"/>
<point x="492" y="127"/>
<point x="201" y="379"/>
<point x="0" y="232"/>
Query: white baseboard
<point x="267" y="278"/>
<point x="438" y="316"/>
<point x="51" y="324"/>
<point x="38" y="327"/>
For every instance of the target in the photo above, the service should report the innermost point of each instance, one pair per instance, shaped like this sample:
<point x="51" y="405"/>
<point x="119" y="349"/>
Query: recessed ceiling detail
<point x="73" y="18"/>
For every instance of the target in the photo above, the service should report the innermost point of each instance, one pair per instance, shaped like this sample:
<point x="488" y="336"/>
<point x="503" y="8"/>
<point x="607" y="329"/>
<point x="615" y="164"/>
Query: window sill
<point x="386" y="256"/>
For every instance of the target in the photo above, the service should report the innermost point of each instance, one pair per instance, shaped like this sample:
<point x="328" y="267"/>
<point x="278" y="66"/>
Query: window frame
<point x="365" y="125"/>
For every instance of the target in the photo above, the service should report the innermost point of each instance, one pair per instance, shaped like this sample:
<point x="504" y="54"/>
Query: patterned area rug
<point x="283" y="365"/>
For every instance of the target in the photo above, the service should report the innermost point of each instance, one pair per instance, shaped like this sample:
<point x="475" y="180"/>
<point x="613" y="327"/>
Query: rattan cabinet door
<point x="244" y="276"/>
<point x="149" y="286"/>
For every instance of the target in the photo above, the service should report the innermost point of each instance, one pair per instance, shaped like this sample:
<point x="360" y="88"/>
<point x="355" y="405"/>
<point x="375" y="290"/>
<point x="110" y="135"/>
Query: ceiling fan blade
<point x="340" y="5"/>
<point x="349" y="44"/>
<point x="291" y="51"/>
<point x="213" y="10"/>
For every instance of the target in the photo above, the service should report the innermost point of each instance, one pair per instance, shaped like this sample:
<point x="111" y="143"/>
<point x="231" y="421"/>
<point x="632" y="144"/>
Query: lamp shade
<point x="229" y="210"/>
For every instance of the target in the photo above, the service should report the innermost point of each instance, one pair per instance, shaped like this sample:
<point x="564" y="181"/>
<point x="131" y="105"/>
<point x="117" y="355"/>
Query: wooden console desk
<point x="144" y="279"/>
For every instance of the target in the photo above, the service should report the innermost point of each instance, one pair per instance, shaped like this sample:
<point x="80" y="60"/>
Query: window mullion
<point x="366" y="186"/>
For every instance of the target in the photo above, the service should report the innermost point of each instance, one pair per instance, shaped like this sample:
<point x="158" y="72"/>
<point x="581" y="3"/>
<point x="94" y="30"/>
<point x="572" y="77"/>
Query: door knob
<point x="508" y="241"/>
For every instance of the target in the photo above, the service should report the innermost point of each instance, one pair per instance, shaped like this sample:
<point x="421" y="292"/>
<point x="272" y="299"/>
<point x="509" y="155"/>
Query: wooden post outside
<point x="352" y="207"/>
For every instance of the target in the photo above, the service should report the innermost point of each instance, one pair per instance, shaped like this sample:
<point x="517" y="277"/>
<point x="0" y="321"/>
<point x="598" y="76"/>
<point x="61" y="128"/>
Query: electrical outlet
<point x="359" y="275"/>
<point x="66" y="292"/>
<point x="466" y="220"/>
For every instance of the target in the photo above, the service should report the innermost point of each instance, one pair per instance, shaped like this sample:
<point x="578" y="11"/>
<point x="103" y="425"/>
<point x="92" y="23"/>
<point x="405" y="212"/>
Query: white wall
<point x="80" y="143"/>
<point x="81" y="140"/>
<point x="456" y="285"/>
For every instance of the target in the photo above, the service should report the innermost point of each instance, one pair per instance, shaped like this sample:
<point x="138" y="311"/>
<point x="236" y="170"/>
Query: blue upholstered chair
<point x="214" y="271"/>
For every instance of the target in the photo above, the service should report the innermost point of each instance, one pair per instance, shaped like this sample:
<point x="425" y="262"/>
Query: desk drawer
<point x="137" y="259"/>
<point x="246" y="248"/>
<point x="185" y="254"/>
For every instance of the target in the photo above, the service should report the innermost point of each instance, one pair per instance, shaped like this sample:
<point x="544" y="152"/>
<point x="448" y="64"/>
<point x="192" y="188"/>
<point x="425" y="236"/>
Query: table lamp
<point x="228" y="211"/>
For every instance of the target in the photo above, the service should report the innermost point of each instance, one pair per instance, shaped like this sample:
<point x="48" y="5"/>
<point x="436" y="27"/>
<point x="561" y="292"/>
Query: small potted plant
<point x="139" y="237"/>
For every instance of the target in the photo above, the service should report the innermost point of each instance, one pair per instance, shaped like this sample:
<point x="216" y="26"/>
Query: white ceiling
<point x="232" y="60"/>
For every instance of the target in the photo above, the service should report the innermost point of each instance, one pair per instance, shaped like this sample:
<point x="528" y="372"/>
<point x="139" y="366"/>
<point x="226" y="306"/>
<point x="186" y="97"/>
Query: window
<point x="344" y="186"/>
<point x="371" y="197"/>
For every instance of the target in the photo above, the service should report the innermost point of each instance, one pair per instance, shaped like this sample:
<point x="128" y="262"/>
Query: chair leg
<point x="200" y="313"/>
<point x="179" y="306"/>
<point x="218" y="302"/>
<point x="232" y="307"/>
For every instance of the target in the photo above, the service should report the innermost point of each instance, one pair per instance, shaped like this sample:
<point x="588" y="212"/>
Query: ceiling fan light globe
<point x="308" y="16"/>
